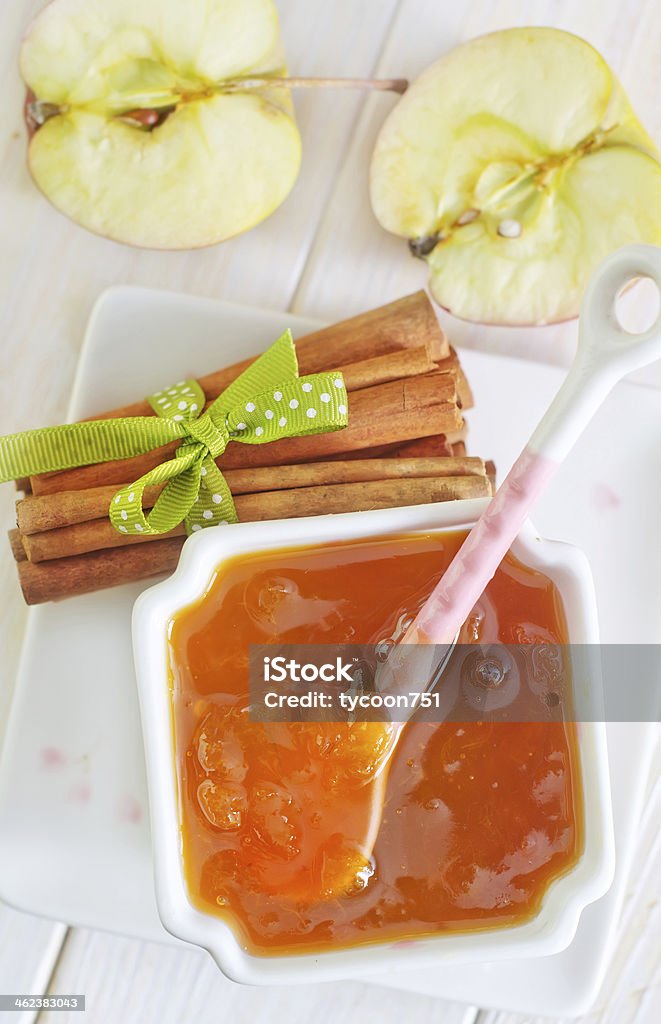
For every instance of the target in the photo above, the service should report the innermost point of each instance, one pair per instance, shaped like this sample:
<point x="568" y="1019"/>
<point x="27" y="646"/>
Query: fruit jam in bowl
<point x="492" y="836"/>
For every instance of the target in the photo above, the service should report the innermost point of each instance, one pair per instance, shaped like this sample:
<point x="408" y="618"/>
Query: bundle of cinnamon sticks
<point x="404" y="446"/>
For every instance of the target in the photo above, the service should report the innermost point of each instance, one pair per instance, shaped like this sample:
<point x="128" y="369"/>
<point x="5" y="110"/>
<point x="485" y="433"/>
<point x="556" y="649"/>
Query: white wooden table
<point x="324" y="255"/>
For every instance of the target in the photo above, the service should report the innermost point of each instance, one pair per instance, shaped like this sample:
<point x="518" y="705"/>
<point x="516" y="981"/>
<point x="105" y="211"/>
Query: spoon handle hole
<point x="637" y="305"/>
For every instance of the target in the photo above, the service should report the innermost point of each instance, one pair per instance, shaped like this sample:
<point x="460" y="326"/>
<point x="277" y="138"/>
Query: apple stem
<point x="398" y="85"/>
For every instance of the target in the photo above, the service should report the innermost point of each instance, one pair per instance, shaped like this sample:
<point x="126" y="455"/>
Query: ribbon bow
<point x="267" y="402"/>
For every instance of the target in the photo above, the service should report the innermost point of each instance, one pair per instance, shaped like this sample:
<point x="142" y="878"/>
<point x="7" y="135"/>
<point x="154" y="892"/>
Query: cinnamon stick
<point x="69" y="577"/>
<point x="99" y="534"/>
<point x="359" y="497"/>
<point x="412" y="362"/>
<point x="65" y="508"/>
<point x="451" y="364"/>
<point x="407" y="323"/>
<point x="439" y="447"/>
<point x="435" y="446"/>
<point x="16" y="545"/>
<point x="309" y="474"/>
<point x="95" y="535"/>
<point x="399" y="411"/>
<point x="35" y="514"/>
<point x="381" y="369"/>
<point x="385" y="414"/>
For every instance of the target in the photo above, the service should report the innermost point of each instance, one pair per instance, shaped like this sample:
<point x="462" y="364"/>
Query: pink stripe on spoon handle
<point x="605" y="353"/>
<point x="453" y="598"/>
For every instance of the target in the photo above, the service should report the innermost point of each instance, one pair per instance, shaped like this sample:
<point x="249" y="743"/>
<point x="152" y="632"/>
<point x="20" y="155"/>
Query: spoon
<point x="605" y="353"/>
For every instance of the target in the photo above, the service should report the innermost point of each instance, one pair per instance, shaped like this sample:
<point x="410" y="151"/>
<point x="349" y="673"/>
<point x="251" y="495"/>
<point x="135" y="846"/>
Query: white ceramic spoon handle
<point x="605" y="353"/>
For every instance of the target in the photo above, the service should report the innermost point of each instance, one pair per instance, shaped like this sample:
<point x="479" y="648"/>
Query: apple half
<point x="514" y="165"/>
<point x="139" y="128"/>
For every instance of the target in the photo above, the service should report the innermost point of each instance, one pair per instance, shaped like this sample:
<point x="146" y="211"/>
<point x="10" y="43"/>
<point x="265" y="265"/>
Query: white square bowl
<point x="550" y="931"/>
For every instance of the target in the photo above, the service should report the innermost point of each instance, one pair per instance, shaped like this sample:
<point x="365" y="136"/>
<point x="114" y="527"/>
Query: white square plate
<point x="74" y="830"/>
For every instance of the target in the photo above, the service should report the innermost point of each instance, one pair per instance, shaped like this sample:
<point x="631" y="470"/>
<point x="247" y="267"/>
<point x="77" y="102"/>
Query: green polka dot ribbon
<point x="267" y="402"/>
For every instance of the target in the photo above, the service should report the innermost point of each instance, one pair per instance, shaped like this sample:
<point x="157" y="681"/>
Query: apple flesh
<point x="514" y="165"/>
<point x="135" y="131"/>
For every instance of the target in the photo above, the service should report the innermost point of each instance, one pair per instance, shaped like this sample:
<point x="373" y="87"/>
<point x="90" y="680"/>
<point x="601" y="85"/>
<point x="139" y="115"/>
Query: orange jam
<point x="477" y="818"/>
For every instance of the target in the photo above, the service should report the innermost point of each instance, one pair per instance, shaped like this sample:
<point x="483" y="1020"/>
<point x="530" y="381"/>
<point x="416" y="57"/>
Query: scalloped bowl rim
<point x="550" y="931"/>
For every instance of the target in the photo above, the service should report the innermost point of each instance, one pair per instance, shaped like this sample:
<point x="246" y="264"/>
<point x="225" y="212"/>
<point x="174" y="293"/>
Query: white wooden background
<point x="324" y="255"/>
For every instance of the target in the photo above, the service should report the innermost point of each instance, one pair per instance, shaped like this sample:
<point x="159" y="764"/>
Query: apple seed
<point x="146" y="119"/>
<point x="509" y="228"/>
